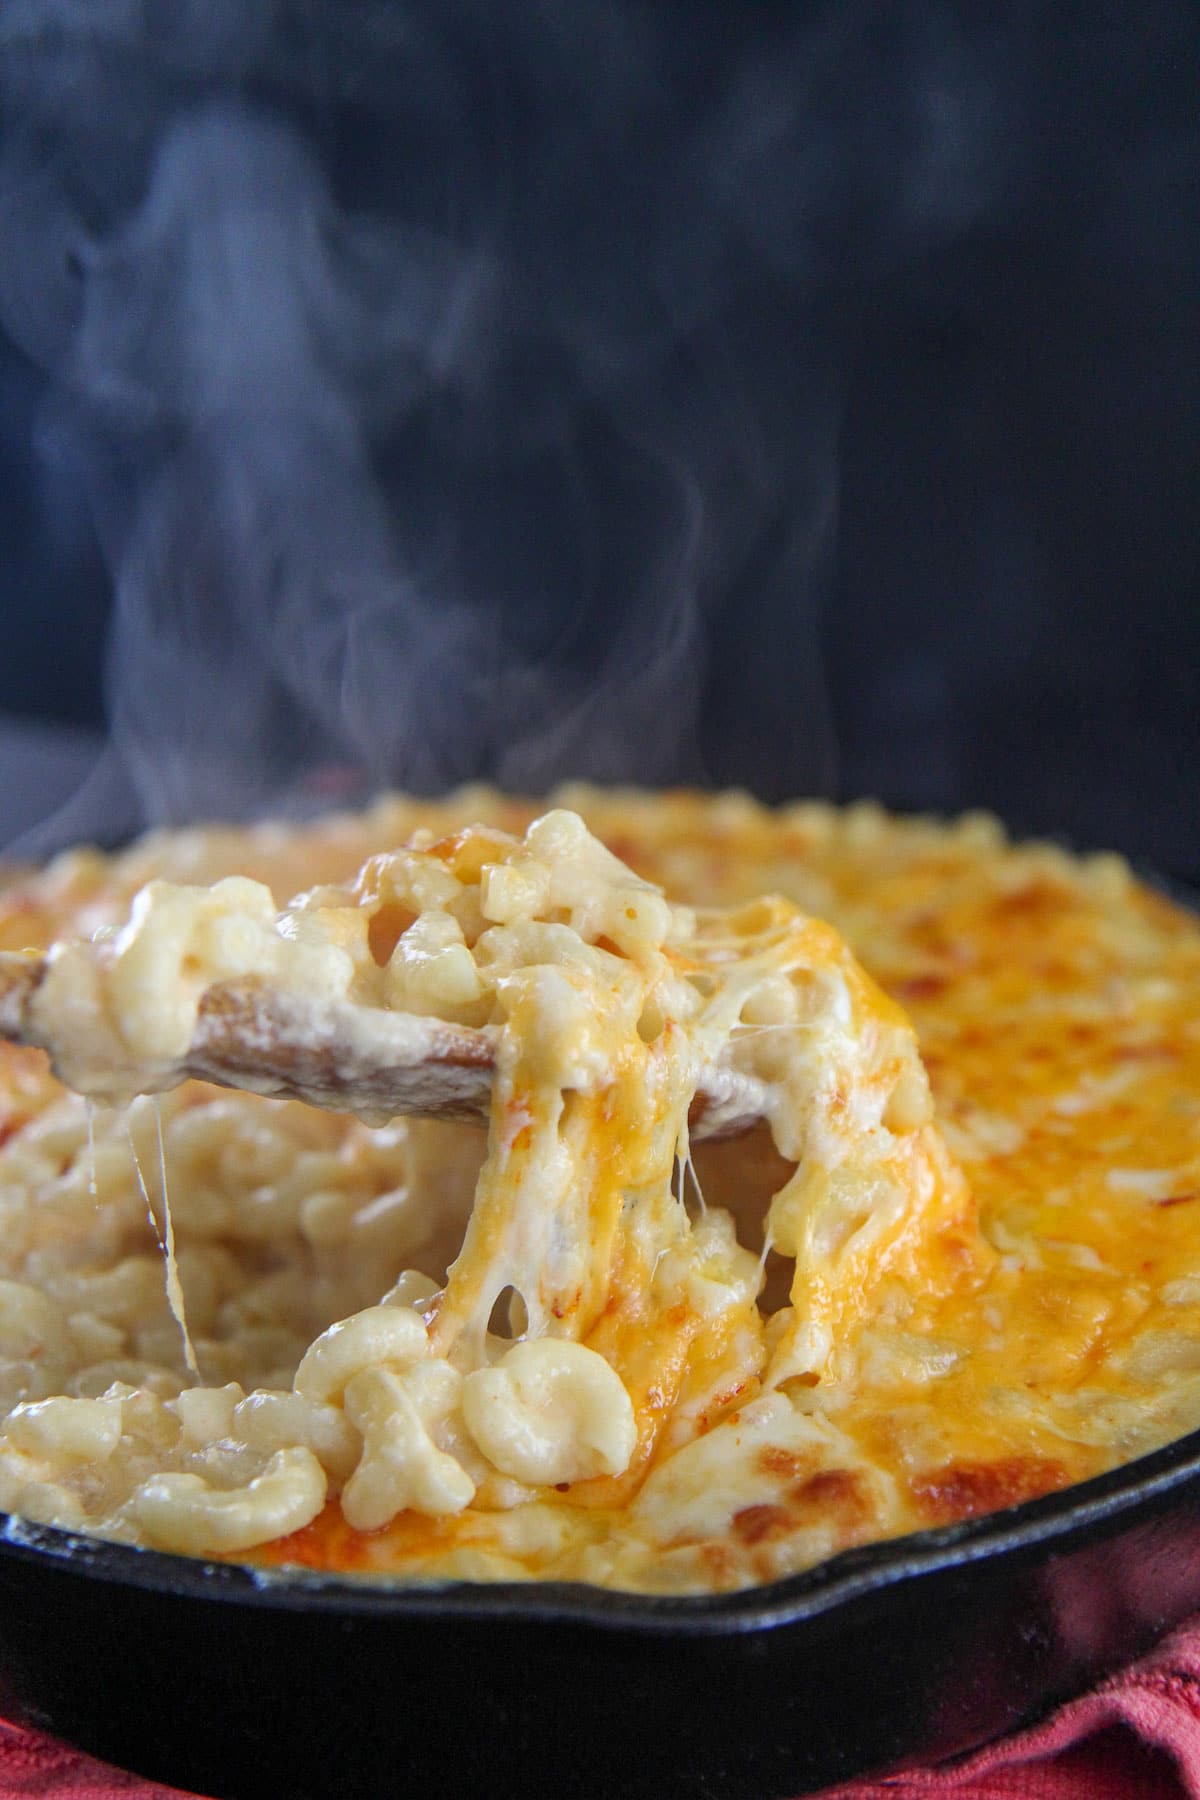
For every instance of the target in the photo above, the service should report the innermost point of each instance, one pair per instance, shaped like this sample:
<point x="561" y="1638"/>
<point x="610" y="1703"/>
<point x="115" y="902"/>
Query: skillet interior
<point x="235" y="1683"/>
<point x="246" y="1683"/>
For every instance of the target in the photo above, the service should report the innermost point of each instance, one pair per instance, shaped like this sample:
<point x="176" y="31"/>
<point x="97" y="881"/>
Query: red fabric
<point x="33" y="1764"/>
<point x="1136" y="1737"/>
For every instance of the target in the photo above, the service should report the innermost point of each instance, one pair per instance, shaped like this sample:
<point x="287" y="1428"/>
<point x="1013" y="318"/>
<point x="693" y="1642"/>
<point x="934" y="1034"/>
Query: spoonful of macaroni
<point x="388" y="999"/>
<point x="327" y="1050"/>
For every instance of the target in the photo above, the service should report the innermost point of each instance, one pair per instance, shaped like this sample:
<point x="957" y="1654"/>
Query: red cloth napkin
<point x="1136" y="1737"/>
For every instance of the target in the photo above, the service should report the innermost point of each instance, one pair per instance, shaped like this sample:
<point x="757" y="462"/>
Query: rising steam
<point x="416" y="359"/>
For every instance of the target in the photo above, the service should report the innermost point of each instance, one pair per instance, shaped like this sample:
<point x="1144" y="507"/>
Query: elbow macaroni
<point x="190" y="1514"/>
<point x="550" y="1411"/>
<point x="401" y="1465"/>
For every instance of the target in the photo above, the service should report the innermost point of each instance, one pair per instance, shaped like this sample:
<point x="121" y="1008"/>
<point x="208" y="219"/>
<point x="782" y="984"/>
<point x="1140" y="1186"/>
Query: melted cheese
<point x="901" y="1366"/>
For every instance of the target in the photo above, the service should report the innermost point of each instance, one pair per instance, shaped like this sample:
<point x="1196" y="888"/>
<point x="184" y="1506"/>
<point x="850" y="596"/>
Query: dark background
<point x="797" y="397"/>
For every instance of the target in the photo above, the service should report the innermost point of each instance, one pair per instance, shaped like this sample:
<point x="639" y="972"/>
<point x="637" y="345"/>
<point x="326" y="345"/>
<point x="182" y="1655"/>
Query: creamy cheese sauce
<point x="551" y="1354"/>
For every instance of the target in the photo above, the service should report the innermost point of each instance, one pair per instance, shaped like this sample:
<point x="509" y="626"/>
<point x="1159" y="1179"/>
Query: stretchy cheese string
<point x="165" y="1234"/>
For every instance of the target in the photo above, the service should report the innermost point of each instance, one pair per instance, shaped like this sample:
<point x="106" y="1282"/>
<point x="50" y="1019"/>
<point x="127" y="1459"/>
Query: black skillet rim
<point x="1051" y="1524"/>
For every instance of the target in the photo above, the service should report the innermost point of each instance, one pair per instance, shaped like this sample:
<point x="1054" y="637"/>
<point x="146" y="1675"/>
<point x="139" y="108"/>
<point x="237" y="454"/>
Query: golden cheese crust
<point x="1055" y="1002"/>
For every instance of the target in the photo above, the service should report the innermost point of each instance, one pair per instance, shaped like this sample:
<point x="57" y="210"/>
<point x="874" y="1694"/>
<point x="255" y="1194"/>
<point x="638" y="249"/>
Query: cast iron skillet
<point x="237" y="1684"/>
<point x="270" y="1686"/>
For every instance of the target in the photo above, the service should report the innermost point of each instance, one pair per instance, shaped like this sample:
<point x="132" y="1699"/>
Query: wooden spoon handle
<point x="348" y="1058"/>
